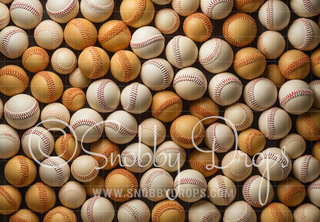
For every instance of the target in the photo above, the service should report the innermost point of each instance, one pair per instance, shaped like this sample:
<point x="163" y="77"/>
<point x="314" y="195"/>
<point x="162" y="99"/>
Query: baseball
<point x="35" y="59"/>
<point x="21" y="111"/>
<point x="275" y="123"/>
<point x="1" y="108"/>
<point x="63" y="61"/>
<point x="248" y="6"/>
<point x="154" y="181"/>
<point x="110" y="152"/>
<point x="257" y="191"/>
<point x="161" y="2"/>
<point x="9" y="141"/>
<point x="240" y="210"/>
<point x="85" y="168"/>
<point x="46" y="87"/>
<point x="316" y="150"/>
<point x="236" y="165"/>
<point x="67" y="147"/>
<point x="78" y="80"/>
<point x="272" y="72"/>
<point x="54" y="171"/>
<point x="271" y="44"/>
<point x="225" y="89"/>
<point x="97" y="208"/>
<point x="59" y="214"/>
<point x="239" y="29"/>
<point x="94" y="186"/>
<point x="121" y="127"/>
<point x="121" y="185"/>
<point x="52" y="115"/>
<point x="96" y="11"/>
<point x="162" y="74"/>
<point x="197" y="27"/>
<point x="136" y="98"/>
<point x="204" y="161"/>
<point x="291" y="192"/>
<point x="37" y="143"/>
<point x="203" y="211"/>
<point x="48" y="34"/>
<point x="10" y="199"/>
<point x="315" y="87"/>
<point x="129" y="211"/>
<point x="125" y="66"/>
<point x="306" y="168"/>
<point x="62" y="11"/>
<point x="315" y="61"/>
<point x="308" y="125"/>
<point x="216" y="55"/>
<point x="114" y="35"/>
<point x="170" y="157"/>
<point x="137" y="13"/>
<point x="80" y="33"/>
<point x="147" y="42"/>
<point x="87" y="125"/>
<point x="25" y="215"/>
<point x="186" y="130"/>
<point x="216" y="9"/>
<point x="20" y="171"/>
<point x="152" y="132"/>
<point x="254" y="97"/>
<point x="294" y="64"/>
<point x="221" y="190"/>
<point x="274" y="15"/>
<point x="4" y="15"/>
<point x="181" y="51"/>
<point x="313" y="192"/>
<point x="26" y="14"/>
<point x="14" y="41"/>
<point x="308" y="8"/>
<point x="251" y="141"/>
<point x="72" y="195"/>
<point x="185" y="7"/>
<point x="167" y="21"/>
<point x="137" y="157"/>
<point x="204" y="108"/>
<point x="294" y="145"/>
<point x="14" y="80"/>
<point x="93" y="62"/>
<point x="190" y="182"/>
<point x="40" y="198"/>
<point x="275" y="211"/>
<point x="306" y="212"/>
<point x="240" y="116"/>
<point x="73" y="99"/>
<point x="219" y="137"/>
<point x="168" y="209"/>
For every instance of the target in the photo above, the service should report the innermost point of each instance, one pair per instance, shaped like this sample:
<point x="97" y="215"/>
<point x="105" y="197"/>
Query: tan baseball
<point x="306" y="212"/>
<point x="294" y="145"/>
<point x="97" y="208"/>
<point x="152" y="132"/>
<point x="78" y="80"/>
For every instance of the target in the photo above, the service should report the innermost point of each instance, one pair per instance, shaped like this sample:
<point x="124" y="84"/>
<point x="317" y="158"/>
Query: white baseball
<point x="4" y="15"/>
<point x="240" y="115"/>
<point x="54" y="171"/>
<point x="275" y="123"/>
<point x="156" y="184"/>
<point x="98" y="209"/>
<point x="147" y="42"/>
<point x="296" y="96"/>
<point x="137" y="157"/>
<point x="85" y="168"/>
<point x="9" y="141"/>
<point x="304" y="34"/>
<point x="314" y="192"/>
<point x="87" y="124"/>
<point x="181" y="51"/>
<point x="21" y="111"/>
<point x="271" y="44"/>
<point x="216" y="9"/>
<point x="170" y="157"/>
<point x="26" y="14"/>
<point x="306" y="168"/>
<point x="161" y="2"/>
<point x="294" y="145"/>
<point x="315" y="87"/>
<point x="216" y="55"/>
<point x="185" y="7"/>
<point x="37" y="142"/>
<point x="14" y="41"/>
<point x="52" y="115"/>
<point x="306" y="212"/>
<point x="1" y="108"/>
<point x="72" y="195"/>
<point x="78" y="80"/>
<point x="225" y="89"/>
<point x="204" y="211"/>
<point x="260" y="94"/>
<point x="129" y="211"/>
<point x="97" y="10"/>
<point x="121" y="127"/>
<point x="136" y="98"/>
<point x="221" y="190"/>
<point x="305" y="8"/>
<point x="152" y="132"/>
<point x="190" y="83"/>
<point x="62" y="11"/>
<point x="274" y="15"/>
<point x="190" y="185"/>
<point x="219" y="137"/>
<point x="103" y="95"/>
<point x="167" y="21"/>
<point x="239" y="211"/>
<point x="63" y="61"/>
<point x="48" y="34"/>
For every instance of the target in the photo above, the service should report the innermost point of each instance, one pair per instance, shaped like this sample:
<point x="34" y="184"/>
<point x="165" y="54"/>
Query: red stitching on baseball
<point x="191" y="78"/>
<point x="101" y="9"/>
<point x="176" y="51"/>
<point x="132" y="97"/>
<point x="270" y="121"/>
<point x="309" y="7"/>
<point x="63" y="11"/>
<point x="120" y="128"/>
<point x="146" y="42"/>
<point x="279" y="159"/>
<point x="133" y="211"/>
<point x="151" y="176"/>
<point x="6" y="40"/>
<point x="21" y="115"/>
<point x="269" y="19"/>
<point x="89" y="210"/>
<point x="27" y="6"/>
<point x="223" y="189"/>
<point x="222" y="83"/>
<point x="246" y="191"/>
<point x="165" y="72"/>
<point x="308" y="35"/>
<point x="215" y="53"/>
<point x="44" y="138"/>
<point x="100" y="95"/>
<point x="190" y="180"/>
<point x="251" y="96"/>
<point x="212" y="3"/>
<point x="153" y="128"/>
<point x="300" y="92"/>
<point x="304" y="168"/>
<point x="57" y="168"/>
<point x="87" y="122"/>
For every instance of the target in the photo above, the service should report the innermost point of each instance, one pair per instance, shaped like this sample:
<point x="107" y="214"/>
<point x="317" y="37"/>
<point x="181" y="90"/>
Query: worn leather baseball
<point x="276" y="211"/>
<point x="239" y="115"/>
<point x="167" y="21"/>
<point x="152" y="132"/>
<point x="67" y="147"/>
<point x="291" y="192"/>
<point x="168" y="209"/>
<point x="308" y="8"/>
<point x="204" y="108"/>
<point x="306" y="168"/>
<point x="73" y="99"/>
<point x="10" y="199"/>
<point x="54" y="171"/>
<point x="35" y="59"/>
<point x="25" y="215"/>
<point x="251" y="141"/>
<point x="240" y="210"/>
<point x="85" y="168"/>
<point x="308" y="125"/>
<point x="271" y="44"/>
<point x="272" y="72"/>
<point x="59" y="214"/>
<point x="78" y="80"/>
<point x="110" y="152"/>
<point x="197" y="27"/>
<point x="63" y="61"/>
<point x="216" y="9"/>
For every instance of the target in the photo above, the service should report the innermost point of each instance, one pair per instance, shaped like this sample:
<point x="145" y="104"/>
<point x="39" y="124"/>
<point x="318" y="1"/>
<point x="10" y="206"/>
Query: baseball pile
<point x="132" y="122"/>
